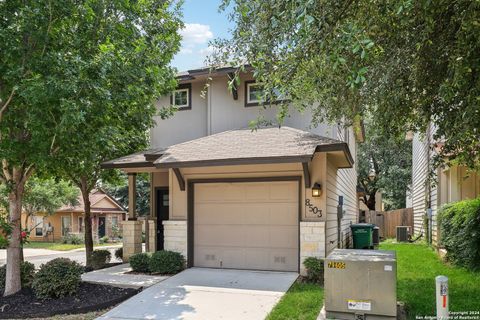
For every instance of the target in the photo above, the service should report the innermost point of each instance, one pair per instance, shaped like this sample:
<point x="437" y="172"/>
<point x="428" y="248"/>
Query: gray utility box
<point x="361" y="284"/>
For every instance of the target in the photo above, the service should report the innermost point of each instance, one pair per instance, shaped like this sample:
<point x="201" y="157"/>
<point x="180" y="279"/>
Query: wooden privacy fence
<point x="388" y="221"/>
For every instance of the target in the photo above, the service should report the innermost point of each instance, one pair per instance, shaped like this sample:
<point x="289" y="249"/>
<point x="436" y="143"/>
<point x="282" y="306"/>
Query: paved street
<point x="40" y="256"/>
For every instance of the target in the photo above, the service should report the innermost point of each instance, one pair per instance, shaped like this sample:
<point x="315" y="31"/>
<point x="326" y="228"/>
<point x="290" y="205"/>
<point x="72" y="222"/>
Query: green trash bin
<point x="362" y="235"/>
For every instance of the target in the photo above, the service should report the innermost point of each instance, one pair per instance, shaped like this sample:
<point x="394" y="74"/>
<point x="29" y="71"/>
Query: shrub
<point x="27" y="272"/>
<point x="104" y="239"/>
<point x="166" y="262"/>
<point x="71" y="238"/>
<point x="315" y="269"/>
<point x="459" y="230"/>
<point x="100" y="258"/>
<point x="119" y="253"/>
<point x="3" y="242"/>
<point x="57" y="278"/>
<point x="139" y="262"/>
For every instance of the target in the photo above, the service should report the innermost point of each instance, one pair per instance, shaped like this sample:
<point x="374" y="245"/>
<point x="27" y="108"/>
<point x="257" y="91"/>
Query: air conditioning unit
<point x="402" y="233"/>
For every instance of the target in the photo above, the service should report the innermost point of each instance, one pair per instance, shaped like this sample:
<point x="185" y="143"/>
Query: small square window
<point x="254" y="93"/>
<point x="181" y="97"/>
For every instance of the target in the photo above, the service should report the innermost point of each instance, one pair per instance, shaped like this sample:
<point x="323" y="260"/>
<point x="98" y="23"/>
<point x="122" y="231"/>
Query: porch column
<point x="132" y="228"/>
<point x="132" y="196"/>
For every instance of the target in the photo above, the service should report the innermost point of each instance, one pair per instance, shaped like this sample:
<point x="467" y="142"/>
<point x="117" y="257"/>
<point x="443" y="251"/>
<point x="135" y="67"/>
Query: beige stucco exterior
<point x="314" y="239"/>
<point x="214" y="109"/>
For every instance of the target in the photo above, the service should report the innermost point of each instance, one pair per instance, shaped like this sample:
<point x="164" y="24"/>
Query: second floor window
<point x="254" y="93"/>
<point x="182" y="96"/>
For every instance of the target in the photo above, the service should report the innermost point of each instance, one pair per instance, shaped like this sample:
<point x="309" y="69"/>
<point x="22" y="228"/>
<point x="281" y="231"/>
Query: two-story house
<point x="432" y="188"/>
<point x="227" y="196"/>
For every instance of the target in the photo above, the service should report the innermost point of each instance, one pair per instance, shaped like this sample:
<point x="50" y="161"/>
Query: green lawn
<point x="60" y="246"/>
<point x="418" y="265"/>
<point x="303" y="302"/>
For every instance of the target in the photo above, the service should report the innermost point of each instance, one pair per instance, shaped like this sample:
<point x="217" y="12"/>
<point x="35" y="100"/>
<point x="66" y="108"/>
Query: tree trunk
<point x="14" y="250"/>
<point x="371" y="202"/>
<point x="88" y="223"/>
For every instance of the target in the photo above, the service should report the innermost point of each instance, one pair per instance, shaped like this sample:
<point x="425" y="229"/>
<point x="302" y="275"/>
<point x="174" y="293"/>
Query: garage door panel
<point x="255" y="192"/>
<point x="283" y="259"/>
<point x="214" y="235"/>
<point x="221" y="213"/>
<point x="283" y="237"/>
<point x="284" y="191"/>
<point x="246" y="225"/>
<point x="281" y="214"/>
<point x="256" y="214"/>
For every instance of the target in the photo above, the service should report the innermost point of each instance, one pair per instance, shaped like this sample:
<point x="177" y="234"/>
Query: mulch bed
<point x="90" y="297"/>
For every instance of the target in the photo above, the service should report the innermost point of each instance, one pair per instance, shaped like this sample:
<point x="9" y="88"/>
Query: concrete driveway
<point x="201" y="293"/>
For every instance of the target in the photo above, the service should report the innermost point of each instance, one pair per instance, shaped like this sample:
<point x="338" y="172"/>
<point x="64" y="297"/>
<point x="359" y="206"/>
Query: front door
<point x="162" y="204"/>
<point x="101" y="227"/>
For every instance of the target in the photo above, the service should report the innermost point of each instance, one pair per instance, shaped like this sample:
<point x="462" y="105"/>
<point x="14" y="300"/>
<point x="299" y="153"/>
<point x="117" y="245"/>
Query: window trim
<point x="80" y="226"/>
<point x="247" y="95"/>
<point x="61" y="221"/>
<point x="38" y="226"/>
<point x="255" y="104"/>
<point x="182" y="87"/>
<point x="112" y="218"/>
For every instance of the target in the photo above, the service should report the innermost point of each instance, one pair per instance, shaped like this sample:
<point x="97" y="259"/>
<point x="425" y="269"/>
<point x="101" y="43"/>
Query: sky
<point x="203" y="23"/>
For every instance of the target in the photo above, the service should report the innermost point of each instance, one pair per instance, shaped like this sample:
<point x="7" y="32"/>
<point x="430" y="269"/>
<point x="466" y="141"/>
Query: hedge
<point x="460" y="232"/>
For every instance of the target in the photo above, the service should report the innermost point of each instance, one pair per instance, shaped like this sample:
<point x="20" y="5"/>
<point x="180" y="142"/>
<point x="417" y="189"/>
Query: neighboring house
<point x="107" y="215"/>
<point x="229" y="197"/>
<point x="448" y="185"/>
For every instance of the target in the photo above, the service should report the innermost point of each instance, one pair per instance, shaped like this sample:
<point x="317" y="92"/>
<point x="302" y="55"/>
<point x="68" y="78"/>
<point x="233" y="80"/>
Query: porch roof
<point x="236" y="147"/>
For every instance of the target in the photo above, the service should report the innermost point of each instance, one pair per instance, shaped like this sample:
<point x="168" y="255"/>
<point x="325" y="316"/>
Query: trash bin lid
<point x="362" y="225"/>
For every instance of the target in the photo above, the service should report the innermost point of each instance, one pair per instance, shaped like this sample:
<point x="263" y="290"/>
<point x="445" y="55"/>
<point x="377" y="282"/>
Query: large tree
<point x="385" y="165"/>
<point x="69" y="70"/>
<point x="123" y="53"/>
<point x="34" y="93"/>
<point x="407" y="62"/>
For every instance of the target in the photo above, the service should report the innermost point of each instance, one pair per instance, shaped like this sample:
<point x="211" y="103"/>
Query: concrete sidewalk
<point x="41" y="256"/>
<point x="202" y="293"/>
<point x="117" y="276"/>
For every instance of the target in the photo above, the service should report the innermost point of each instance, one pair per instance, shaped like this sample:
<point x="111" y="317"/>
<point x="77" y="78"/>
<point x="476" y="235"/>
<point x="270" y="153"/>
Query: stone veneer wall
<point x="152" y="235"/>
<point x="312" y="241"/>
<point x="175" y="236"/>
<point x="132" y="238"/>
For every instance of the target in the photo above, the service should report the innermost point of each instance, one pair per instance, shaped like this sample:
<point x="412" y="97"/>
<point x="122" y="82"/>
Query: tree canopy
<point x="118" y="188"/>
<point x="43" y="195"/>
<point x="407" y="62"/>
<point x="77" y="84"/>
<point x="384" y="163"/>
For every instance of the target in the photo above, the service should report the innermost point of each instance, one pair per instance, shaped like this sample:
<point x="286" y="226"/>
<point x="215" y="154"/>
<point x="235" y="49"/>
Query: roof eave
<point x="234" y="162"/>
<point x="338" y="147"/>
<point x="127" y="165"/>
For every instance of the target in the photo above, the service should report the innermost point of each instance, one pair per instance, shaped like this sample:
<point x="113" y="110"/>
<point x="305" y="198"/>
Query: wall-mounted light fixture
<point x="316" y="190"/>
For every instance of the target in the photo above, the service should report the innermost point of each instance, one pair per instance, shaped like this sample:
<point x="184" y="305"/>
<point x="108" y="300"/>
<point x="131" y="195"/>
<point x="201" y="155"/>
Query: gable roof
<point x="96" y="196"/>
<point x="242" y="146"/>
